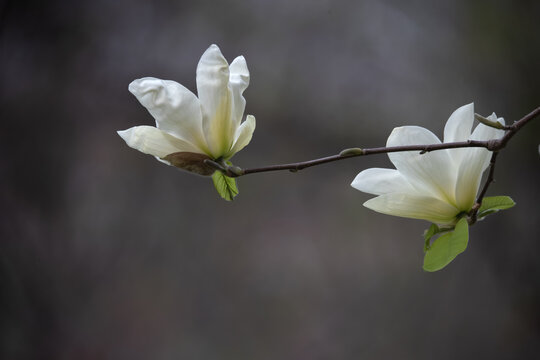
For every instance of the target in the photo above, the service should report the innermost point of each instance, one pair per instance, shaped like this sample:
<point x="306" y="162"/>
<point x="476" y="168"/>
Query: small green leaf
<point x="225" y="186"/>
<point x="493" y="204"/>
<point x="428" y="234"/>
<point x="445" y="248"/>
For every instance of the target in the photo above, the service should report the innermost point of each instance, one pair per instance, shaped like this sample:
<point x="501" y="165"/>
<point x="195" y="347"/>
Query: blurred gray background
<point x="107" y="254"/>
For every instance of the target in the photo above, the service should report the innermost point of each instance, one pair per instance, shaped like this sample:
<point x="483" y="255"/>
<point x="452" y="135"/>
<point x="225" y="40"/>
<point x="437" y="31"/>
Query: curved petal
<point x="473" y="164"/>
<point x="243" y="135"/>
<point x="432" y="173"/>
<point x="176" y="109"/>
<point x="468" y="180"/>
<point x="379" y="181"/>
<point x="214" y="95"/>
<point x="414" y="207"/>
<point x="153" y="141"/>
<point x="459" y="124"/>
<point x="238" y="82"/>
<point x="458" y="128"/>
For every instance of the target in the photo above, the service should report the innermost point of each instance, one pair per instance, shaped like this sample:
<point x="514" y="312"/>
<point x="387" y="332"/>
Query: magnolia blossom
<point x="188" y="128"/>
<point x="435" y="186"/>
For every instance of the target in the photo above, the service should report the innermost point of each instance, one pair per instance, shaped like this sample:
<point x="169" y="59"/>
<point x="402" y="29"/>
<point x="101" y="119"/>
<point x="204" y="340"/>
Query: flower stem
<point x="490" y="179"/>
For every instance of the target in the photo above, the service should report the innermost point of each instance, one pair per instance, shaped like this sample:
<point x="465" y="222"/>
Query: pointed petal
<point x="458" y="128"/>
<point x="381" y="181"/>
<point x="459" y="125"/>
<point x="432" y="173"/>
<point x="414" y="207"/>
<point x="213" y="91"/>
<point x="238" y="82"/>
<point x="474" y="162"/>
<point x="176" y="109"/>
<point x="243" y="135"/>
<point x="152" y="141"/>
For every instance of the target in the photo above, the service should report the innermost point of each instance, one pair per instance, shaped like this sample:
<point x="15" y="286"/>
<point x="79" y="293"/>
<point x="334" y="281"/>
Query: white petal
<point x="176" y="109"/>
<point x="432" y="173"/>
<point x="243" y="135"/>
<point x="381" y="181"/>
<point x="474" y="162"/>
<point x="469" y="176"/>
<point x="152" y="141"/>
<point x="214" y="94"/>
<point x="458" y="128"/>
<point x="238" y="82"/>
<point x="414" y="207"/>
<point x="459" y="125"/>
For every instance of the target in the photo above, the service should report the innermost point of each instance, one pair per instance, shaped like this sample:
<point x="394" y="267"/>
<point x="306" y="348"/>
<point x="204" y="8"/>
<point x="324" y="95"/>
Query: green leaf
<point x="225" y="186"/>
<point x="428" y="234"/>
<point x="445" y="248"/>
<point x="493" y="204"/>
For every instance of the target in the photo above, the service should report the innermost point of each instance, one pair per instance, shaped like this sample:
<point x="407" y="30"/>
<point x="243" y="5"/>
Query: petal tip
<point x="133" y="86"/>
<point x="356" y="181"/>
<point x="369" y="204"/>
<point x="459" y="124"/>
<point x="211" y="62"/>
<point x="493" y="117"/>
<point x="213" y="51"/>
<point x="396" y="130"/>
<point x="466" y="107"/>
<point x="125" y="134"/>
<point x="139" y="86"/>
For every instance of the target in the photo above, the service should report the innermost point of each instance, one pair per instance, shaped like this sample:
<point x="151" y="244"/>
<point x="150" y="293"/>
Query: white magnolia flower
<point x="436" y="186"/>
<point x="190" y="129"/>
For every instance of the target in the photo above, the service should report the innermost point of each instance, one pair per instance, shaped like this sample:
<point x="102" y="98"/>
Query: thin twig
<point x="492" y="145"/>
<point x="369" y="151"/>
<point x="489" y="180"/>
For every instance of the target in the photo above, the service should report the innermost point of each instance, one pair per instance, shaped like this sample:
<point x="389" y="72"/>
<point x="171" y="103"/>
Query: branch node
<point x="351" y="152"/>
<point x="214" y="164"/>
<point x="234" y="171"/>
<point x="494" y="144"/>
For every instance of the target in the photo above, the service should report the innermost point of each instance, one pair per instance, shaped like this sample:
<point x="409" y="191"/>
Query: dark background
<point x="107" y="254"/>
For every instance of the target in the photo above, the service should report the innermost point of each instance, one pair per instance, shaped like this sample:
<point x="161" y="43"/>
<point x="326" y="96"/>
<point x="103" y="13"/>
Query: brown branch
<point x="492" y="145"/>
<point x="350" y="153"/>
<point x="489" y="180"/>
